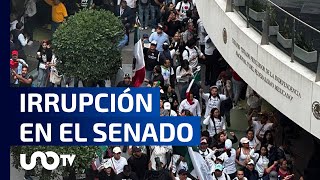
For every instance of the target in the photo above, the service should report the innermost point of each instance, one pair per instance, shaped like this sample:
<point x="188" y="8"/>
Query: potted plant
<point x="257" y="10"/>
<point x="273" y="25"/>
<point x="284" y="36"/>
<point x="304" y="50"/>
<point x="239" y="3"/>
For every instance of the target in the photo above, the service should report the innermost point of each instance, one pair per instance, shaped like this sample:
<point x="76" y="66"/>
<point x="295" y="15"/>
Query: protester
<point x="59" y="13"/>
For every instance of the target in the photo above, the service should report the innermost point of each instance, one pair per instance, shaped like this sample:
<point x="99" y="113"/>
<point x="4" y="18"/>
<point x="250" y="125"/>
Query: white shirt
<point x="212" y="102"/>
<point x="193" y="56"/>
<point x="209" y="157"/>
<point x="193" y="108"/>
<point x="261" y="164"/>
<point x="209" y="47"/>
<point x="177" y="178"/>
<point x="229" y="163"/>
<point x="119" y="164"/>
<point x="218" y="127"/>
<point x="183" y="8"/>
<point x="222" y="177"/>
<point x="166" y="73"/>
<point x="181" y="74"/>
<point x="201" y="30"/>
<point x="159" y="151"/>
<point x="257" y="126"/>
<point x="22" y="40"/>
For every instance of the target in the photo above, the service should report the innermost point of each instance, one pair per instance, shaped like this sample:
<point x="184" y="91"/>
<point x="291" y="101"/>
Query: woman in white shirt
<point x="215" y="123"/>
<point x="262" y="162"/>
<point x="229" y="159"/>
<point x="212" y="99"/>
<point x="183" y="74"/>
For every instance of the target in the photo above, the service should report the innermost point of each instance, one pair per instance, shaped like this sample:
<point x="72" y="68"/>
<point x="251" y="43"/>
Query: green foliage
<point x="285" y="30"/>
<point x="303" y="43"/>
<point x="86" y="45"/>
<point x="84" y="156"/>
<point x="257" y="5"/>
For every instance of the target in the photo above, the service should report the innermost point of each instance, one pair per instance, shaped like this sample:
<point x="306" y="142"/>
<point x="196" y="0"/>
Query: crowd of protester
<point x="174" y="53"/>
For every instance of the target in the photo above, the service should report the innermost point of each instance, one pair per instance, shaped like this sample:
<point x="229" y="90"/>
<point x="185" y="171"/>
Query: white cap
<point x="154" y="42"/>
<point x="107" y="164"/>
<point x="228" y="144"/>
<point x="167" y="106"/>
<point x="251" y="162"/>
<point x="244" y="140"/>
<point x="116" y="150"/>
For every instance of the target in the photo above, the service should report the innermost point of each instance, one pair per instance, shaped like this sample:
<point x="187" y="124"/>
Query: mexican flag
<point x="139" y="70"/>
<point x="197" y="166"/>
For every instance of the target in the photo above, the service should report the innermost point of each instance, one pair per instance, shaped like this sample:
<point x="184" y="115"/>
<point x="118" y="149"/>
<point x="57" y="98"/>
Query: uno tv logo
<point x="43" y="157"/>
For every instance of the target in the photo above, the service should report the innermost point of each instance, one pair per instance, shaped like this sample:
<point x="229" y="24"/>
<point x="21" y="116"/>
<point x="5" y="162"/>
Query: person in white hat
<point x="167" y="107"/>
<point x="249" y="171"/>
<point x="118" y="162"/>
<point x="243" y="152"/>
<point x="207" y="153"/>
<point x="106" y="171"/>
<point x="229" y="159"/>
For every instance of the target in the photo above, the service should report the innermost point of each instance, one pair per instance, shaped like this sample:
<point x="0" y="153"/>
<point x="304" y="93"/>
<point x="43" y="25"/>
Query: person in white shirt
<point x="161" y="153"/>
<point x="212" y="99"/>
<point x="192" y="53"/>
<point x="182" y="7"/>
<point x="118" y="162"/>
<point x="167" y="107"/>
<point x="262" y="162"/>
<point x="201" y="35"/>
<point x="253" y="143"/>
<point x="207" y="153"/>
<point x="229" y="159"/>
<point x="215" y="123"/>
<point x="183" y="74"/>
<point x="167" y="72"/>
<point x="260" y="125"/>
<point x="218" y="173"/>
<point x="191" y="104"/>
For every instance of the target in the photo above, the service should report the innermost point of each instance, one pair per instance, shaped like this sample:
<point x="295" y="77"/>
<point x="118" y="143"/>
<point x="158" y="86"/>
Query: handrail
<point x="293" y="16"/>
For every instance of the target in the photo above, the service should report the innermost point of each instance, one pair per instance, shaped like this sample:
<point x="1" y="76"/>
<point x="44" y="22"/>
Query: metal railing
<point x="292" y="35"/>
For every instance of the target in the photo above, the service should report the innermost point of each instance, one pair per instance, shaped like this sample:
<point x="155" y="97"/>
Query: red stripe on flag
<point x="138" y="77"/>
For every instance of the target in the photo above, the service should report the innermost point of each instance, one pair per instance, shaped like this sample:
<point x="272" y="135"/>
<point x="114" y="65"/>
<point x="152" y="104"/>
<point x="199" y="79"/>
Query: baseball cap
<point x="228" y="144"/>
<point x="250" y="162"/>
<point x="182" y="171"/>
<point x="204" y="140"/>
<point x="218" y="167"/>
<point x="15" y="52"/>
<point x="244" y="140"/>
<point x="167" y="106"/>
<point x="107" y="164"/>
<point x="116" y="150"/>
<point x="165" y="44"/>
<point x="154" y="42"/>
<point x="136" y="149"/>
<point x="160" y="26"/>
<point x="145" y="36"/>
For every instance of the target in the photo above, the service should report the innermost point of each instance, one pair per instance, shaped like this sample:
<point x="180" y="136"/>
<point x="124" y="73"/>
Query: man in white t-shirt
<point x="191" y="104"/>
<point x="118" y="162"/>
<point x="182" y="7"/>
<point x="259" y="124"/>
